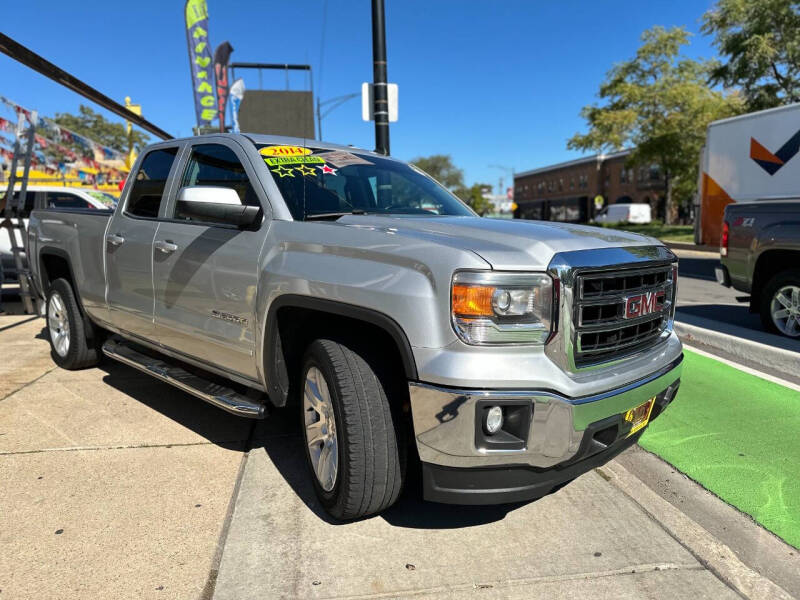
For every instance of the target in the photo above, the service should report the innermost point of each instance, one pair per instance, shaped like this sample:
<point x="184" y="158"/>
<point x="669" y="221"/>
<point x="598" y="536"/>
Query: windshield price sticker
<point x="296" y="160"/>
<point x="284" y="151"/>
<point x="340" y="158"/>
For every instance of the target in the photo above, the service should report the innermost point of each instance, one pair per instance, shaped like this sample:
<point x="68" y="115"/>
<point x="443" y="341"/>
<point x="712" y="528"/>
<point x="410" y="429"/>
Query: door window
<point x="215" y="165"/>
<point x="64" y="200"/>
<point x="151" y="179"/>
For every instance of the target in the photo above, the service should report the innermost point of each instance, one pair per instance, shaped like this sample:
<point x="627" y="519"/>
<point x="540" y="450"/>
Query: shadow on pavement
<point x="10" y="323"/>
<point x="214" y="424"/>
<point x="697" y="268"/>
<point x="281" y="439"/>
<point x="739" y="316"/>
<point x="733" y="320"/>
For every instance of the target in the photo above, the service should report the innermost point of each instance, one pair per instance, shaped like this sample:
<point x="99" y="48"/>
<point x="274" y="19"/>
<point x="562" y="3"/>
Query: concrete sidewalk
<point x="113" y="485"/>
<point x="776" y="355"/>
<point x="597" y="537"/>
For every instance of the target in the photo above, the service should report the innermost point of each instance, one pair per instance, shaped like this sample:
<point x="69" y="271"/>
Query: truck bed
<point x="76" y="233"/>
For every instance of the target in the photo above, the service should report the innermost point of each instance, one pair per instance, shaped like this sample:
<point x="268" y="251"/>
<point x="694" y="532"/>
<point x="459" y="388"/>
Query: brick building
<point x="566" y="191"/>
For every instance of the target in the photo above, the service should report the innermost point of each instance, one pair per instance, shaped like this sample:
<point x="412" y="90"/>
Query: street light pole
<point x="336" y="103"/>
<point x="509" y="170"/>
<point x="379" y="78"/>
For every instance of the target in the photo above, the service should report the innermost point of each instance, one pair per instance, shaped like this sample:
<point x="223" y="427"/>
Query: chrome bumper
<point x="445" y="420"/>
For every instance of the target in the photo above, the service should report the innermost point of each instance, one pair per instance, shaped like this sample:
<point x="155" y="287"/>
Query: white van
<point x="624" y="213"/>
<point x="50" y="197"/>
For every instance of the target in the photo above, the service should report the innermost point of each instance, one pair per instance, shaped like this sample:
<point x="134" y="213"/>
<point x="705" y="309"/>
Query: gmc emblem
<point x="644" y="304"/>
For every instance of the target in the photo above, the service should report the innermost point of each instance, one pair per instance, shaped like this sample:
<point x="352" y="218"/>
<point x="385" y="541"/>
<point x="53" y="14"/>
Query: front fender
<point x="406" y="281"/>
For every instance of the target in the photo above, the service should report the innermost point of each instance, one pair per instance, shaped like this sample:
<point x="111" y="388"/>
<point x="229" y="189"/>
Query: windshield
<point x="320" y="183"/>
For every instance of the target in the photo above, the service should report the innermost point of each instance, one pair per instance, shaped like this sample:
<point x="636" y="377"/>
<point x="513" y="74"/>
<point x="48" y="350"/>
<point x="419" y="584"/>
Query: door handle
<point x="115" y="240"/>
<point x="166" y="247"/>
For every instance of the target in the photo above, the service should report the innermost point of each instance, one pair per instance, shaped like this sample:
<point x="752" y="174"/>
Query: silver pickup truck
<point x="502" y="358"/>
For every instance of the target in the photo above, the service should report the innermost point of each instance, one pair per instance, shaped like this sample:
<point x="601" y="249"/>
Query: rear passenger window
<point x="64" y="200"/>
<point x="30" y="203"/>
<point x="215" y="165"/>
<point x="151" y="179"/>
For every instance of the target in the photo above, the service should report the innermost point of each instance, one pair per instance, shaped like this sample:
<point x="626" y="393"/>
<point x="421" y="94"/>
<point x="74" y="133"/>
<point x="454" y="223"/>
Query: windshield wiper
<point x="334" y="215"/>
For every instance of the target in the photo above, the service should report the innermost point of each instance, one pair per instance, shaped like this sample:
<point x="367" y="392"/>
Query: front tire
<point x="780" y="304"/>
<point x="351" y="434"/>
<point x="66" y="329"/>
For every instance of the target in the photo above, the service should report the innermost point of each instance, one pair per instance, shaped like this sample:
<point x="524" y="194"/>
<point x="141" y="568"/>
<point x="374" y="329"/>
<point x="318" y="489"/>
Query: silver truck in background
<point x="258" y="272"/>
<point x="760" y="255"/>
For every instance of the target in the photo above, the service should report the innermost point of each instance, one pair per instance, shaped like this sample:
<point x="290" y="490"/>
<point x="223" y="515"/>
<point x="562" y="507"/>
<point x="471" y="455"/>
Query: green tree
<point x="442" y="169"/>
<point x="760" y="45"/>
<point x="96" y="127"/>
<point x="659" y="103"/>
<point x="475" y="196"/>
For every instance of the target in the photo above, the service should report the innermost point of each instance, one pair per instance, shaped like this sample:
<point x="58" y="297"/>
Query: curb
<point x="694" y="247"/>
<point x="706" y="549"/>
<point x="765" y="355"/>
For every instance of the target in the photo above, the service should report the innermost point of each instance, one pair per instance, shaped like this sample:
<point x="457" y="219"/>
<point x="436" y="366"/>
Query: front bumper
<point x="559" y="439"/>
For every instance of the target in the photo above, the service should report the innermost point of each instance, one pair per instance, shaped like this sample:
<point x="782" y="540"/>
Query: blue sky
<point x="487" y="82"/>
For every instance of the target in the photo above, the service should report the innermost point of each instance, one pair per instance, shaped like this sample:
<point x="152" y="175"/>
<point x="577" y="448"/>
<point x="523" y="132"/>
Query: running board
<point x="218" y="395"/>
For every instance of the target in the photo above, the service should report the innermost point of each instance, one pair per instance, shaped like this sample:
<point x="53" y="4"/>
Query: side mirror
<point x="215" y="205"/>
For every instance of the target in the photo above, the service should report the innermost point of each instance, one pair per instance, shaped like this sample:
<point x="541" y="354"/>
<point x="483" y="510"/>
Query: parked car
<point x="624" y="213"/>
<point x="258" y="272"/>
<point x="52" y="197"/>
<point x="760" y="255"/>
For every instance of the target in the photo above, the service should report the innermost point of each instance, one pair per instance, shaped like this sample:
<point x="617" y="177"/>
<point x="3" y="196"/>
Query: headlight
<point x="502" y="308"/>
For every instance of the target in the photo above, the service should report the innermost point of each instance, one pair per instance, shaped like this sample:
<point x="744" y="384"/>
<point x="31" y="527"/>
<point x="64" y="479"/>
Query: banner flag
<point x="196" y="13"/>
<point x="221" y="56"/>
<point x="237" y="93"/>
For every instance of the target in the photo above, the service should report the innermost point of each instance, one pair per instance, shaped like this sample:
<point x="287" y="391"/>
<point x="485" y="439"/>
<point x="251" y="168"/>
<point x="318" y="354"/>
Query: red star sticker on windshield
<point x="326" y="170"/>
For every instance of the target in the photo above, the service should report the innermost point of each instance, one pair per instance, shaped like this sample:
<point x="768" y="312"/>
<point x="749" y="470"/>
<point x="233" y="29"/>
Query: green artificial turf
<point x="739" y="436"/>
<point x="656" y="229"/>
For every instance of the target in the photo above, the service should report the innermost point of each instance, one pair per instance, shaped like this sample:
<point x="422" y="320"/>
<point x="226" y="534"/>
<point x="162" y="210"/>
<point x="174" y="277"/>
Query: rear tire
<point x="353" y="439"/>
<point x="779" y="304"/>
<point x="72" y="346"/>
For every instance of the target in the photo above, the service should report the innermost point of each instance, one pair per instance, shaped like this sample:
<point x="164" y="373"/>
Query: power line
<point x="30" y="59"/>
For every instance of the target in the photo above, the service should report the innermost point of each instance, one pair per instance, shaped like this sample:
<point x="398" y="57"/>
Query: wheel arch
<point x="55" y="263"/>
<point x="768" y="264"/>
<point x="318" y="317"/>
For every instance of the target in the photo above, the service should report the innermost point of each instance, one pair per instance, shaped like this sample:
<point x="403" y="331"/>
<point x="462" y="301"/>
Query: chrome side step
<point x="218" y="395"/>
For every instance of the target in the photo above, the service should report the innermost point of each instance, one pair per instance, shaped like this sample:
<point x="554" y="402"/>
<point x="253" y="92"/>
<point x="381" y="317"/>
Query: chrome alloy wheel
<point x="320" y="427"/>
<point x="58" y="324"/>
<point x="785" y="310"/>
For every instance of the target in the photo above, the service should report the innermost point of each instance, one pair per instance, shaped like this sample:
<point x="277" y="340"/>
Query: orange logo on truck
<point x="770" y="162"/>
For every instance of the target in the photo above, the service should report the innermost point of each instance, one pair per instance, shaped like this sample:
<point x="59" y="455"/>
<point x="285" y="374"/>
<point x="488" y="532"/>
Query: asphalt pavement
<point x="718" y="319"/>
<point x="699" y="294"/>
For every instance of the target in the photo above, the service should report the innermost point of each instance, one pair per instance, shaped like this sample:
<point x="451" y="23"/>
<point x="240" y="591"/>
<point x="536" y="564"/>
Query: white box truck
<point x="747" y="158"/>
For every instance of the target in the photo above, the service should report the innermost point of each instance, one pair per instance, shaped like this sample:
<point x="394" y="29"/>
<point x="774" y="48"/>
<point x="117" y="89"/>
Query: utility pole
<point x="379" y="78"/>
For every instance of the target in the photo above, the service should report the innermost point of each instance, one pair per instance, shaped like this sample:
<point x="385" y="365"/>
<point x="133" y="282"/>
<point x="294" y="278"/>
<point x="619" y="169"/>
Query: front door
<point x="129" y="245"/>
<point x="206" y="274"/>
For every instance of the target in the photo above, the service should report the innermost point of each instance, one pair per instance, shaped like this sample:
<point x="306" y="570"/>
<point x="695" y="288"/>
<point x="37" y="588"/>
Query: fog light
<point x="494" y="420"/>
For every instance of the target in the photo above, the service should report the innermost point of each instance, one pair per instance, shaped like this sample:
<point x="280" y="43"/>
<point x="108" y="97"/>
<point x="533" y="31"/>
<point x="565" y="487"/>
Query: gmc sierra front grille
<point x="620" y="312"/>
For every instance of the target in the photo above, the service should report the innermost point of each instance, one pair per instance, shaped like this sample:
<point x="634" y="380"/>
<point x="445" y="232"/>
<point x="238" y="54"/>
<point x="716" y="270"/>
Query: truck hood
<point x="505" y="244"/>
